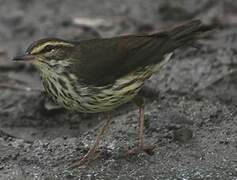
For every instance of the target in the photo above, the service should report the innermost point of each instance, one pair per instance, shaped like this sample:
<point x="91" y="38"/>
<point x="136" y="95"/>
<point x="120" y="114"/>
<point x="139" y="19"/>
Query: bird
<point x="99" y="75"/>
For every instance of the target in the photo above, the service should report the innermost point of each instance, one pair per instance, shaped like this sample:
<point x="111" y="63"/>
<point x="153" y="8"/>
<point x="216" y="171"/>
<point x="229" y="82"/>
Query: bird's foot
<point x="86" y="159"/>
<point x="142" y="148"/>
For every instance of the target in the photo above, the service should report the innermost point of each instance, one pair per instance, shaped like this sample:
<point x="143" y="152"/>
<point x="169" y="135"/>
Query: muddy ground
<point x="190" y="105"/>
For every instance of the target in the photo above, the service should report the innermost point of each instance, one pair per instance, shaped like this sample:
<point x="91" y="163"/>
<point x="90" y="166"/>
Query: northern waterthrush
<point x="99" y="75"/>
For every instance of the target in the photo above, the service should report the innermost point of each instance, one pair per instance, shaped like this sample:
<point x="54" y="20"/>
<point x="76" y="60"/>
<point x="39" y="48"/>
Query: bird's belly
<point x="103" y="99"/>
<point x="121" y="91"/>
<point x="98" y="99"/>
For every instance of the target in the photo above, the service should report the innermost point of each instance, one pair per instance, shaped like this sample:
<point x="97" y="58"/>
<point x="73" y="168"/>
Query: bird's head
<point x="50" y="54"/>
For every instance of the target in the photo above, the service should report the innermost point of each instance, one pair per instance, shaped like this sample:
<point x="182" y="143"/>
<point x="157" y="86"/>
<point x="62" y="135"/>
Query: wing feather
<point x="102" y="61"/>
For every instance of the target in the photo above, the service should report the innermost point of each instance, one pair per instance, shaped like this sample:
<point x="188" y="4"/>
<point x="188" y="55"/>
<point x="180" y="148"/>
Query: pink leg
<point x="92" y="151"/>
<point x="141" y="146"/>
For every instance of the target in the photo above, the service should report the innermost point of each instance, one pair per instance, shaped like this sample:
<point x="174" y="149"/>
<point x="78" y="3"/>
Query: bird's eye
<point x="48" y="48"/>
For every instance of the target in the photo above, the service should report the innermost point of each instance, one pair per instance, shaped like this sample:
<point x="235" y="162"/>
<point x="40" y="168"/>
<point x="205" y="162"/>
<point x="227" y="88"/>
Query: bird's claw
<point x="144" y="148"/>
<point x="86" y="159"/>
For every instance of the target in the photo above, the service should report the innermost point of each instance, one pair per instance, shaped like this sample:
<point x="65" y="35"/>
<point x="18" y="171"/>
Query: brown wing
<point x="102" y="61"/>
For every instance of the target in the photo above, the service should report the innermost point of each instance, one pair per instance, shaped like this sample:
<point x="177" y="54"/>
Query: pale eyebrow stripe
<point x="52" y="43"/>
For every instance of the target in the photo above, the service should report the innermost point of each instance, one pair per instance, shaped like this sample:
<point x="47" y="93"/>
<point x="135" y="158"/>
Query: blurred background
<point x="191" y="103"/>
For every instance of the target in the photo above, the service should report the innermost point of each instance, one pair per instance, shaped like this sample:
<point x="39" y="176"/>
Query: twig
<point x="2" y="52"/>
<point x="7" y="134"/>
<point x="15" y="87"/>
<point x="217" y="80"/>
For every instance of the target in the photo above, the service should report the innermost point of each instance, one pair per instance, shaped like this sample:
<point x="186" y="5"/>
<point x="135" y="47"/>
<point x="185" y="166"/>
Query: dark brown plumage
<point x="99" y="75"/>
<point x="112" y="58"/>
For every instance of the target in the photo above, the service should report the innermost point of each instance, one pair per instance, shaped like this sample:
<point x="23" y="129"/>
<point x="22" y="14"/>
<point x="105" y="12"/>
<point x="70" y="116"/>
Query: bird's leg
<point x="91" y="153"/>
<point x="141" y="105"/>
<point x="141" y="146"/>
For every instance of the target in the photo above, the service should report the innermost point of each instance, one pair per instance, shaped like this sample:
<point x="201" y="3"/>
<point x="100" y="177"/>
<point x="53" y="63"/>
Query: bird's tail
<point x="185" y="34"/>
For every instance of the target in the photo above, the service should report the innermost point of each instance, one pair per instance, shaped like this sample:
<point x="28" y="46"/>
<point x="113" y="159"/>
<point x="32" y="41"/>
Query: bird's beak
<point x="25" y="58"/>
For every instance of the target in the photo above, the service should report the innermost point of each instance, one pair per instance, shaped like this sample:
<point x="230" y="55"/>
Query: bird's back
<point x="102" y="61"/>
<point x="110" y="72"/>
